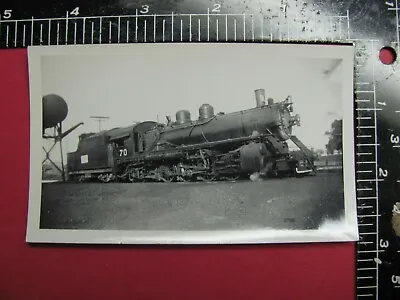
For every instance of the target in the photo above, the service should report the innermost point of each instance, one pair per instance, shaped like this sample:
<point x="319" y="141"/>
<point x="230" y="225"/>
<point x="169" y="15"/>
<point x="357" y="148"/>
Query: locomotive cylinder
<point x="253" y="157"/>
<point x="182" y="117"/>
<point x="260" y="97"/>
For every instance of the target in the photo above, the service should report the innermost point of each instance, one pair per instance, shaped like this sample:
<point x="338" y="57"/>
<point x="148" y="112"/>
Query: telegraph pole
<point x="100" y="119"/>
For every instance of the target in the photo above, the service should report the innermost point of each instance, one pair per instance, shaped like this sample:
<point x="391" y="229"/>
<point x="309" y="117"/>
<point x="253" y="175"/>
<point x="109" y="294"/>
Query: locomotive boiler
<point x="214" y="146"/>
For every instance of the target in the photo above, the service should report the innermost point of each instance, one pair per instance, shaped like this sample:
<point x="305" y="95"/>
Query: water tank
<point x="206" y="111"/>
<point x="55" y="110"/>
<point x="183" y="116"/>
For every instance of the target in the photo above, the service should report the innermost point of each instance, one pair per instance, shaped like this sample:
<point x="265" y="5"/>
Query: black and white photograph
<point x="191" y="143"/>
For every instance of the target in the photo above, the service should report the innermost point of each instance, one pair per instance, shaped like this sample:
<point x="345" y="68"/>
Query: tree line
<point x="334" y="142"/>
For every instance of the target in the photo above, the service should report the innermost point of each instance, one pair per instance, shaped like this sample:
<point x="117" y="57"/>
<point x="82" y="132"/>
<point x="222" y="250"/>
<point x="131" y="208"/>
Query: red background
<point x="300" y="271"/>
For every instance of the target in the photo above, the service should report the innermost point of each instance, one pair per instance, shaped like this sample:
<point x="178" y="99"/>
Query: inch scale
<point x="212" y="26"/>
<point x="215" y="26"/>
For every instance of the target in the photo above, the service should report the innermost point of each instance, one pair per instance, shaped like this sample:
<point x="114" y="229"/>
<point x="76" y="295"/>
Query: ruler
<point x="377" y="110"/>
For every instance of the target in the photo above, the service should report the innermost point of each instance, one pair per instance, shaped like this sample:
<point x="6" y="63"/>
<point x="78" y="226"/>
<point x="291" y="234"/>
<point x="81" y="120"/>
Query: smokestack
<point x="260" y="97"/>
<point x="270" y="101"/>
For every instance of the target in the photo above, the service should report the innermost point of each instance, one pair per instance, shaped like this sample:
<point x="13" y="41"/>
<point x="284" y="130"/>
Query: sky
<point x="153" y="82"/>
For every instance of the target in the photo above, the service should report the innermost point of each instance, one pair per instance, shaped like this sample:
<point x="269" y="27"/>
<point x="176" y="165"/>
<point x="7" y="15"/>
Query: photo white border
<point x="347" y="230"/>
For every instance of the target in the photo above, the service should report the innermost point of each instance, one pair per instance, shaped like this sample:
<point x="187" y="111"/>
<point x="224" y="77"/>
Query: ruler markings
<point x="75" y="33"/>
<point x="145" y="31"/>
<point x="252" y="28"/>
<point x="32" y="22"/>
<point x="83" y="30"/>
<point x="364" y="189"/>
<point x="49" y="33"/>
<point x="208" y="24"/>
<point x="69" y="18"/>
<point x="92" y="32"/>
<point x="190" y="28"/>
<point x="368" y="109"/>
<point x="234" y="28"/>
<point x="365" y="127"/>
<point x="365" y="243"/>
<point x="100" y="30"/>
<point x="41" y="34"/>
<point x="66" y="28"/>
<point x="369" y="216"/>
<point x="397" y="23"/>
<point x="15" y="33"/>
<point x="7" y="34"/>
<point x="136" y="25"/>
<point x="119" y="29"/>
<point x="217" y="29"/>
<point x="109" y="32"/>
<point x="58" y="33"/>
<point x="244" y="27"/>
<point x="199" y="30"/>
<point x="270" y="28"/>
<point x="181" y="30"/>
<point x="163" y="30"/>
<point x="262" y="28"/>
<point x="151" y="15"/>
<point x="376" y="173"/>
<point x="226" y="28"/>
<point x="172" y="26"/>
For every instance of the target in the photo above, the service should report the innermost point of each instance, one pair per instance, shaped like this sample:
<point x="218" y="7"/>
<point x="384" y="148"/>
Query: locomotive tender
<point x="213" y="147"/>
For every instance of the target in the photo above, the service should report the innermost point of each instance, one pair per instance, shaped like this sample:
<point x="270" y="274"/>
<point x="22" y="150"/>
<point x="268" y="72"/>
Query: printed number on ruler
<point x="394" y="139"/>
<point x="216" y="8"/>
<point x="7" y="14"/>
<point x="75" y="11"/>
<point x="383" y="244"/>
<point x="383" y="172"/>
<point x="145" y="9"/>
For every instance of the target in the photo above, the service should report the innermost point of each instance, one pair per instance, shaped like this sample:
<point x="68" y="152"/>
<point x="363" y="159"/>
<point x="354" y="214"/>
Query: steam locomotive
<point x="213" y="147"/>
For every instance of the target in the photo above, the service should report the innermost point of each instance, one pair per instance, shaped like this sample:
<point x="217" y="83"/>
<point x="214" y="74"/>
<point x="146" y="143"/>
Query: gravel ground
<point x="291" y="203"/>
